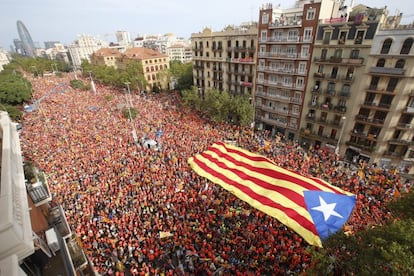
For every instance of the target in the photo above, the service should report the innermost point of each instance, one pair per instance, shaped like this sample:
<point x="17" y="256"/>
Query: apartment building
<point x="153" y="63"/>
<point x="35" y="237"/>
<point x="285" y="45"/>
<point x="340" y="56"/>
<point x="83" y="48"/>
<point x="180" y="52"/>
<point x="106" y="56"/>
<point x="225" y="60"/>
<point x="382" y="130"/>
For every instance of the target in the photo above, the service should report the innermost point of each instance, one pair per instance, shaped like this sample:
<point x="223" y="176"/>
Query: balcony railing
<point x="387" y="71"/>
<point x="281" y="70"/>
<point x="296" y="55"/>
<point x="39" y="192"/>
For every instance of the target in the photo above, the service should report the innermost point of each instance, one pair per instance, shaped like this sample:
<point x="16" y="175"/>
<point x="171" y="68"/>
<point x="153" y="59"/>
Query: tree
<point x="14" y="90"/>
<point x="191" y="99"/>
<point x="183" y="73"/>
<point x="241" y="110"/>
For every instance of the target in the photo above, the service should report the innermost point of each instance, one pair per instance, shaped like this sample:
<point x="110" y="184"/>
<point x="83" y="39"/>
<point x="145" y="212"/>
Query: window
<point x="326" y="37"/>
<point x="262" y="50"/>
<point x="331" y="87"/>
<point x="302" y="68"/>
<point x="320" y="69"/>
<point x="310" y="14"/>
<point x="350" y="73"/>
<point x="406" y="48"/>
<point x="386" y="46"/>
<point x="342" y="38"/>
<point x="262" y="64"/>
<point x="265" y="18"/>
<point x="300" y="82"/>
<point x="277" y="36"/>
<point x="338" y="53"/>
<point x="305" y="51"/>
<point x="334" y="72"/>
<point x="354" y="54"/>
<point x="346" y="89"/>
<point x="400" y="63"/>
<point x="307" y="36"/>
<point x="381" y="62"/>
<point x="292" y="35"/>
<point x="264" y="35"/>
<point x="324" y="53"/>
<point x="359" y="37"/>
<point x="392" y="84"/>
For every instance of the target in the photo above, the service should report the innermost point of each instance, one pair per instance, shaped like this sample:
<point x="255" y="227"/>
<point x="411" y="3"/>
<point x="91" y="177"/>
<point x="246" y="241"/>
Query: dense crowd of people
<point x="141" y="210"/>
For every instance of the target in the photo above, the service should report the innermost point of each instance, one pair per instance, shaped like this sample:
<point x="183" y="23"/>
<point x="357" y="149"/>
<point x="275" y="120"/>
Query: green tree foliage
<point x="381" y="250"/>
<point x="241" y="110"/>
<point x="14" y="89"/>
<point x="220" y="106"/>
<point x="217" y="105"/>
<point x="191" y="99"/>
<point x="78" y="84"/>
<point x="130" y="112"/>
<point x="109" y="75"/>
<point x="183" y="73"/>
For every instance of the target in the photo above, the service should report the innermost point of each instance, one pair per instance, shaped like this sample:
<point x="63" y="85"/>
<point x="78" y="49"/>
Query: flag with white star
<point x="310" y="206"/>
<point x="329" y="211"/>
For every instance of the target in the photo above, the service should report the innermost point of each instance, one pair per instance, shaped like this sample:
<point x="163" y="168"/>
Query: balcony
<point x="285" y="39"/>
<point x="319" y="75"/>
<point x="274" y="122"/>
<point x="404" y="126"/>
<point x="330" y="92"/>
<point x="285" y="23"/>
<point x="241" y="60"/>
<point x="347" y="78"/>
<point x="340" y="109"/>
<point x="290" y="71"/>
<point x="339" y="60"/>
<point x="284" y="55"/>
<point x="387" y="71"/>
<point x="246" y="83"/>
<point x="326" y="106"/>
<point x="365" y="119"/>
<point x="345" y="94"/>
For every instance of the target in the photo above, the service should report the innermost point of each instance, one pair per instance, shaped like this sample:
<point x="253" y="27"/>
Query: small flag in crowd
<point x="310" y="206"/>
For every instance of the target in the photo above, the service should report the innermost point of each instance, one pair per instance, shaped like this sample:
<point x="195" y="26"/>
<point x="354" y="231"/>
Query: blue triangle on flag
<point x="329" y="211"/>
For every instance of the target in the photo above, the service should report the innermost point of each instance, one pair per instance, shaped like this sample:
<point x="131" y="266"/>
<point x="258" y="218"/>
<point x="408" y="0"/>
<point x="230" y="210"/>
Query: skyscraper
<point x="26" y="39"/>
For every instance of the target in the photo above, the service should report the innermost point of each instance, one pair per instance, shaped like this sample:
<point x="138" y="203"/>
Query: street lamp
<point x="129" y="104"/>
<point x="340" y="136"/>
<point x="92" y="83"/>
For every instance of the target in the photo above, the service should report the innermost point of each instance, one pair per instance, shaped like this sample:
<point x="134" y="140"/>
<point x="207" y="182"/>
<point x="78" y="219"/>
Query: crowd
<point x="143" y="211"/>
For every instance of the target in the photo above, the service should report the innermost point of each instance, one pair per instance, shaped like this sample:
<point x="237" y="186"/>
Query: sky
<point x="54" y="20"/>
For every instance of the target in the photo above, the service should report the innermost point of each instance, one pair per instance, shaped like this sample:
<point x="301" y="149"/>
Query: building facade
<point x="340" y="56"/>
<point x="225" y="60"/>
<point x="83" y="48"/>
<point x="4" y="58"/>
<point x="284" y="58"/>
<point x="28" y="46"/>
<point x="34" y="234"/>
<point x="383" y="128"/>
<point x="180" y="52"/>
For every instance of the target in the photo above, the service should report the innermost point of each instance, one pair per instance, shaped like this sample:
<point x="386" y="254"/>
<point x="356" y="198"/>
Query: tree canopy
<point x="220" y="106"/>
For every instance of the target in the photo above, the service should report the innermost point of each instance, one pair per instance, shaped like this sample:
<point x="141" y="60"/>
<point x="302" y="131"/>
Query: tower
<point x="26" y="39"/>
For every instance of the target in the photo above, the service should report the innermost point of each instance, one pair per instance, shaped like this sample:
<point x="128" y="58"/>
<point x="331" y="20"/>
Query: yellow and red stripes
<point x="258" y="181"/>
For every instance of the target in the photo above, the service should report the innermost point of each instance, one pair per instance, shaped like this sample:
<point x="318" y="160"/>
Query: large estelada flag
<point x="310" y="206"/>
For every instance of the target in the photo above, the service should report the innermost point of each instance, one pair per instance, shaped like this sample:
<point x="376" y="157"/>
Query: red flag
<point x="273" y="190"/>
